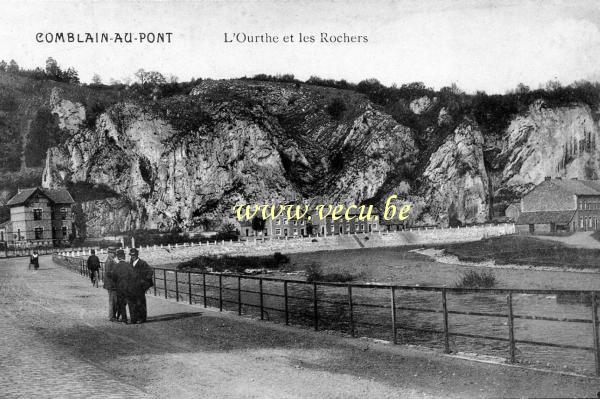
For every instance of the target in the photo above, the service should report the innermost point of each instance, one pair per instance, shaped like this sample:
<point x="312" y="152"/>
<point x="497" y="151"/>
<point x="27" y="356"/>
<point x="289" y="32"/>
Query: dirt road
<point x="55" y="341"/>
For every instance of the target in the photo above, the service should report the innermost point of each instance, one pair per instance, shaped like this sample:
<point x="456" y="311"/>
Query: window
<point x="285" y="232"/>
<point x="1" y="236"/>
<point x="284" y="221"/>
<point x="293" y="222"/>
<point x="63" y="213"/>
<point x="37" y="214"/>
<point x="39" y="233"/>
<point x="277" y="231"/>
<point x="65" y="231"/>
<point x="295" y="232"/>
<point x="278" y="222"/>
<point x="302" y="223"/>
<point x="19" y="234"/>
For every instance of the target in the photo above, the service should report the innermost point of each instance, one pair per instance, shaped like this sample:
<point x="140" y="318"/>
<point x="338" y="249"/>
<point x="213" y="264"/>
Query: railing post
<point x="260" y="290"/>
<point x="285" y="302"/>
<point x="393" y="308"/>
<point x="154" y="280"/>
<point x="220" y="292"/>
<point x="189" y="287"/>
<point x="165" y="282"/>
<point x="239" y="295"/>
<point x="176" y="286"/>
<point x="315" y="307"/>
<point x="204" y="287"/>
<point x="446" y="332"/>
<point x="595" y="330"/>
<point x="511" y="329"/>
<point x="351" y="310"/>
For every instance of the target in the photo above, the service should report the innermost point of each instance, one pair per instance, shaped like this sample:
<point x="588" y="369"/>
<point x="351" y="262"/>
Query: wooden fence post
<point x="165" y="282"/>
<point x="446" y="332"/>
<point x="220" y="292"/>
<point x="511" y="329"/>
<point x="239" y="295"/>
<point x="315" y="307"/>
<point x="189" y="287"/>
<point x="393" y="308"/>
<point x="260" y="290"/>
<point x="176" y="286"/>
<point x="595" y="330"/>
<point x="204" y="287"/>
<point x="285" y="302"/>
<point x="351" y="310"/>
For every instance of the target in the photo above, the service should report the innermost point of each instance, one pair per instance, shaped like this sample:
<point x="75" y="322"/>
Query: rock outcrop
<point x="247" y="151"/>
<point x="186" y="161"/>
<point x="455" y="181"/>
<point x="557" y="142"/>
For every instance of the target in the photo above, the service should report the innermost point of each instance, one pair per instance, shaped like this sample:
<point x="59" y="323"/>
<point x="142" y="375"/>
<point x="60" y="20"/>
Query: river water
<point x="372" y="311"/>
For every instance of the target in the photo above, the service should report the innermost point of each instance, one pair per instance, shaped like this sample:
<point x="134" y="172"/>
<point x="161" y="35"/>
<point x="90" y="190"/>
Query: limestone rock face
<point x="70" y="114"/>
<point x="420" y="105"/>
<point x="186" y="163"/>
<point x="556" y="142"/>
<point x="456" y="181"/>
<point x="260" y="143"/>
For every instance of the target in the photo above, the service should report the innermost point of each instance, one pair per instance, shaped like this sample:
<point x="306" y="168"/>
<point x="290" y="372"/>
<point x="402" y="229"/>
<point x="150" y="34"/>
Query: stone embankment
<point x="164" y="254"/>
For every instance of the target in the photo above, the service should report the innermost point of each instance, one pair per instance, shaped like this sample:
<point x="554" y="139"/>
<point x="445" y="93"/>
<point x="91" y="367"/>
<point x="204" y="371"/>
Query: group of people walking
<point x="126" y="283"/>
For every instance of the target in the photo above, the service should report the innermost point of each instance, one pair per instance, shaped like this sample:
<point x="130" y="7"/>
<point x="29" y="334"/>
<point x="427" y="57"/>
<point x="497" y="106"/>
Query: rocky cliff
<point x="257" y="143"/>
<point x="185" y="161"/>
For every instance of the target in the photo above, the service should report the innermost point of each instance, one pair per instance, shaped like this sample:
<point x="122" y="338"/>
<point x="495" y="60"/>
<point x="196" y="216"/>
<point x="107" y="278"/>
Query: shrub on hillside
<point x="477" y="279"/>
<point x="336" y="108"/>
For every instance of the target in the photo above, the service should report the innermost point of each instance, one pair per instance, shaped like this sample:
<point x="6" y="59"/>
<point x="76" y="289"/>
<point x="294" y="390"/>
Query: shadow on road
<point x="173" y="316"/>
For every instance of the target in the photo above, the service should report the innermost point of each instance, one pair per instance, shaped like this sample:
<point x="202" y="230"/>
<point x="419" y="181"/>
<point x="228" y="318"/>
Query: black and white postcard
<point x="299" y="199"/>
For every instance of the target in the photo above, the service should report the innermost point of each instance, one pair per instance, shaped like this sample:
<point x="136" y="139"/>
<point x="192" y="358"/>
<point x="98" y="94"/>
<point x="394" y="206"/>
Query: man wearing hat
<point x="110" y="285"/>
<point x="123" y="280"/>
<point x="143" y="274"/>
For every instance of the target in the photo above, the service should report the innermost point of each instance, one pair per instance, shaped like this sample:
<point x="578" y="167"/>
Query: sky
<point x="478" y="45"/>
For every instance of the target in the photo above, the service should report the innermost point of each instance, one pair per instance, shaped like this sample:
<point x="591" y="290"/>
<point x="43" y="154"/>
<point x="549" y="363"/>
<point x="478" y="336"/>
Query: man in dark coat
<point x="123" y="278"/>
<point x="143" y="274"/>
<point x="93" y="265"/>
<point x="109" y="284"/>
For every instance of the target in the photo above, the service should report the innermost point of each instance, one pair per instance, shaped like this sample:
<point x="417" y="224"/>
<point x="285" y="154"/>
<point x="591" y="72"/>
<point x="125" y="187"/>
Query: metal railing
<point x="373" y="309"/>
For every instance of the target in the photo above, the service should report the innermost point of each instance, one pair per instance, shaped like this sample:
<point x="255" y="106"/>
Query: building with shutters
<point x="39" y="216"/>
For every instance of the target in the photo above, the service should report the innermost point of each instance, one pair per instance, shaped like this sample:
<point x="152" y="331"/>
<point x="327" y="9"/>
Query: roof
<point x="58" y="196"/>
<point x="577" y="187"/>
<point x="4" y="224"/>
<point x="543" y="217"/>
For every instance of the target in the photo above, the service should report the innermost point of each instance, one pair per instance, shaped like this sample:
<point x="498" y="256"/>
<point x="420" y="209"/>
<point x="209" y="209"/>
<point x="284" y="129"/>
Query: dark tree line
<point x="51" y="72"/>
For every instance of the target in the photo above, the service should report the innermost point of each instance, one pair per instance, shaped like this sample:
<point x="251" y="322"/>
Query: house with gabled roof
<point x="39" y="216"/>
<point x="557" y="205"/>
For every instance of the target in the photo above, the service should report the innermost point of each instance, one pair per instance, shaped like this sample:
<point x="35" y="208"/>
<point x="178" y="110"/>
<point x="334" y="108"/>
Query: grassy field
<point x="523" y="250"/>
